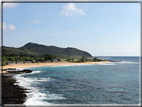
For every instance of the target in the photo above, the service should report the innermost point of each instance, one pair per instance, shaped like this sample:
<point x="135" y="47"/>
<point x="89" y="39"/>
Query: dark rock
<point x="12" y="94"/>
<point x="27" y="70"/>
<point x="9" y="69"/>
<point x="20" y="71"/>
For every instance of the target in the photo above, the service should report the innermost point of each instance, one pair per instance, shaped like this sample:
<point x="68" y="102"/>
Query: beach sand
<point x="30" y="65"/>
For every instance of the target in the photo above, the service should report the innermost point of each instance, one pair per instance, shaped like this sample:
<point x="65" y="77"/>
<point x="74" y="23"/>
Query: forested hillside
<point x="38" y="49"/>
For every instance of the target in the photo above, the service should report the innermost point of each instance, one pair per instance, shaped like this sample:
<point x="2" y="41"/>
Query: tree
<point x="86" y="59"/>
<point x="4" y="59"/>
<point x="82" y="59"/>
<point x="48" y="57"/>
<point x="10" y="58"/>
<point x="58" y="60"/>
<point x="95" y="59"/>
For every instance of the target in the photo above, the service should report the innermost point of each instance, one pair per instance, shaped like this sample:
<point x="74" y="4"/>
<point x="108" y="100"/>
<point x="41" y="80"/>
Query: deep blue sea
<point x="106" y="83"/>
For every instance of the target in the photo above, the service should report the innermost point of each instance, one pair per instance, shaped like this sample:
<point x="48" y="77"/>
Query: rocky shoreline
<point x="8" y="81"/>
<point x="11" y="93"/>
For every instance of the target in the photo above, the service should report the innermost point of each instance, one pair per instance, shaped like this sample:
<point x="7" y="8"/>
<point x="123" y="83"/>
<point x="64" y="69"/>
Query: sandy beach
<point x="30" y="65"/>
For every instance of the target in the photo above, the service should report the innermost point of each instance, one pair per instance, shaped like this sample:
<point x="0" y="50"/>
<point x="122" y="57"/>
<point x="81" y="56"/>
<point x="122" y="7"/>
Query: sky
<point x="102" y="29"/>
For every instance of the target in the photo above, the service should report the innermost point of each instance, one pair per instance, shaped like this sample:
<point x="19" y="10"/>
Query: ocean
<point x="106" y="83"/>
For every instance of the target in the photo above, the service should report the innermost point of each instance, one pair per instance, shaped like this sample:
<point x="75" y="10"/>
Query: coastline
<point x="14" y="94"/>
<point x="11" y="93"/>
<point x="31" y="65"/>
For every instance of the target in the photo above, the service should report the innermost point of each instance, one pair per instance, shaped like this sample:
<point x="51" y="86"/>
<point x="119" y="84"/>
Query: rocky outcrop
<point x="16" y="71"/>
<point x="12" y="94"/>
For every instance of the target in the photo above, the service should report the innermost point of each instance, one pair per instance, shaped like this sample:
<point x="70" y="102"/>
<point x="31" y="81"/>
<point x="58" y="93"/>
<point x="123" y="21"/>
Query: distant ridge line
<point x="40" y="49"/>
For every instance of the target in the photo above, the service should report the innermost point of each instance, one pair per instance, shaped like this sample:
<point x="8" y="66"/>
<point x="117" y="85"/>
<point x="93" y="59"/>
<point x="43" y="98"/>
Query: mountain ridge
<point x="40" y="49"/>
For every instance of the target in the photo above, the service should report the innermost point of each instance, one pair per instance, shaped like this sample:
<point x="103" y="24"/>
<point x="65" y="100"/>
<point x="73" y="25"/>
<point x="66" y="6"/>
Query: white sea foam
<point x="114" y="63"/>
<point x="26" y="82"/>
<point x="35" y="97"/>
<point x="20" y="68"/>
<point x="22" y="81"/>
<point x="110" y="63"/>
<point x="54" y="97"/>
<point x="129" y="62"/>
<point x="38" y="98"/>
<point x="34" y="72"/>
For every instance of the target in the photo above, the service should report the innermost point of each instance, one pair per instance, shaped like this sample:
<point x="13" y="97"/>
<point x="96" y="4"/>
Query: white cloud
<point x="9" y="5"/>
<point x="70" y="9"/>
<point x="33" y="21"/>
<point x="36" y="21"/>
<point x="10" y="27"/>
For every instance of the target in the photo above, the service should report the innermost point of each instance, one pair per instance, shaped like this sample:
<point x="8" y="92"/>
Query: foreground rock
<point x="18" y="71"/>
<point x="12" y="94"/>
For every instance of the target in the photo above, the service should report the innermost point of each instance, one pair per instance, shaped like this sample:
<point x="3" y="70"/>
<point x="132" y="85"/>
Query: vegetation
<point x="38" y="49"/>
<point x="32" y="58"/>
<point x="39" y="53"/>
<point x="16" y="51"/>
<point x="48" y="57"/>
<point x="97" y="59"/>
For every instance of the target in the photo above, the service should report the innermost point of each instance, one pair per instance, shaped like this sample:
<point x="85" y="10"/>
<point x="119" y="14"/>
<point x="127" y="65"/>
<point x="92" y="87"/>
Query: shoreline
<point x="15" y="94"/>
<point x="31" y="65"/>
<point x="12" y="93"/>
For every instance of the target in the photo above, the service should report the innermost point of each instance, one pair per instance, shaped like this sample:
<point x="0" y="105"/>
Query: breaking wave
<point x="35" y="95"/>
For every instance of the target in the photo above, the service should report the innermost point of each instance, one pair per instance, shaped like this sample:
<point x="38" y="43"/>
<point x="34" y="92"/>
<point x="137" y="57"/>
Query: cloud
<point x="9" y="5"/>
<point x="10" y="27"/>
<point x="33" y="21"/>
<point x="70" y="9"/>
<point x="36" y="21"/>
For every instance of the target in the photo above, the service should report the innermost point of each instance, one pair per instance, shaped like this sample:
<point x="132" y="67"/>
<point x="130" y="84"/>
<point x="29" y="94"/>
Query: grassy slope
<point x="33" y="48"/>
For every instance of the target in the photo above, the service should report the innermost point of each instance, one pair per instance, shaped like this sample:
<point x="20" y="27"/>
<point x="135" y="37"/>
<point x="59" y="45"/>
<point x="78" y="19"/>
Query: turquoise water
<point x="108" y="83"/>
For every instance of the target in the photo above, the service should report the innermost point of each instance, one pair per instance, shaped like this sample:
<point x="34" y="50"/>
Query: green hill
<point x="34" y="48"/>
<point x="17" y="50"/>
